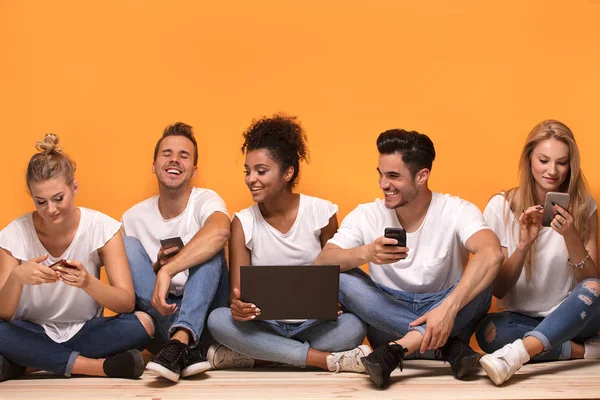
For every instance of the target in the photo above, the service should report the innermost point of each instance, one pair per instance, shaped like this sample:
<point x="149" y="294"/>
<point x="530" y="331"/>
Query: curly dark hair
<point x="283" y="137"/>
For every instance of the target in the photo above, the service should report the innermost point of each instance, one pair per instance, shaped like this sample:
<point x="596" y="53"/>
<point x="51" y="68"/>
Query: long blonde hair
<point x="49" y="162"/>
<point x="523" y="196"/>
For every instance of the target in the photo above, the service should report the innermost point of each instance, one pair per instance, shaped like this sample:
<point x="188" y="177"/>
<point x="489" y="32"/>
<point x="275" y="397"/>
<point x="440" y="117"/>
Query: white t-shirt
<point x="60" y="309"/>
<point x="437" y="252"/>
<point x="298" y="246"/>
<point x="552" y="278"/>
<point x="145" y="222"/>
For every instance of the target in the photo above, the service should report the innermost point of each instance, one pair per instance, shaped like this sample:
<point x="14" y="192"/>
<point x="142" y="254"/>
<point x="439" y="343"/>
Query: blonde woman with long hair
<point x="547" y="286"/>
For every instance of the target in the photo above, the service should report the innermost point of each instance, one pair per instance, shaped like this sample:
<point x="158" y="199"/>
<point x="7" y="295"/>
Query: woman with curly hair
<point x="547" y="286"/>
<point x="281" y="226"/>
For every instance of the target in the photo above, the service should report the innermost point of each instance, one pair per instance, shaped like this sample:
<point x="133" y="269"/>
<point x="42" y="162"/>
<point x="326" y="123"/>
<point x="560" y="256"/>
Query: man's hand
<point x="378" y="253"/>
<point x="163" y="257"/>
<point x="161" y="291"/>
<point x="439" y="321"/>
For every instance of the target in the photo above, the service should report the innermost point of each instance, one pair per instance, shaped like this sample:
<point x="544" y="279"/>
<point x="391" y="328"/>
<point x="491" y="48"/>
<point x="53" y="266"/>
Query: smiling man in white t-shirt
<point x="178" y="286"/>
<point x="427" y="295"/>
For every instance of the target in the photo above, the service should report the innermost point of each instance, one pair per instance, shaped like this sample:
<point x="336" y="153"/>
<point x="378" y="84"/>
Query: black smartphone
<point x="560" y="198"/>
<point x="171" y="242"/>
<point x="396" y="233"/>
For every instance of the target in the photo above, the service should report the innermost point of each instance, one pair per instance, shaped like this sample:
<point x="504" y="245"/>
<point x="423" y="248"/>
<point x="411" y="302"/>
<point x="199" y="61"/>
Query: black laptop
<point x="292" y="291"/>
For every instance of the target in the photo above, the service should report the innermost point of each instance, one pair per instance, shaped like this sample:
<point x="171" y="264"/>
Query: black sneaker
<point x="129" y="364"/>
<point x="462" y="358"/>
<point x="382" y="361"/>
<point x="196" y="363"/>
<point x="169" y="362"/>
<point x="10" y="370"/>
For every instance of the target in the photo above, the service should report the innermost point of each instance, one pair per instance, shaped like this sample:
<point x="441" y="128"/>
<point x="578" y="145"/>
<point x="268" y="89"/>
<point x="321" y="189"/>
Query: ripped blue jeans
<point x="577" y="319"/>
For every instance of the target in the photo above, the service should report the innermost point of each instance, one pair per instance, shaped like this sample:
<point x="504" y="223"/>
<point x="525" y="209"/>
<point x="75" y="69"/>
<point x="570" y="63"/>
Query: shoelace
<point x="340" y="356"/>
<point x="172" y="351"/>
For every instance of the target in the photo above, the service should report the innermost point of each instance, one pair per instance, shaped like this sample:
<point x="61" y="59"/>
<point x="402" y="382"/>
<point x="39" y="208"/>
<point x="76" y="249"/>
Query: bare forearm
<point x="10" y="294"/>
<point x="199" y="250"/>
<point x="478" y="276"/>
<point x="510" y="271"/>
<point x="116" y="299"/>
<point x="347" y="258"/>
<point x="577" y="253"/>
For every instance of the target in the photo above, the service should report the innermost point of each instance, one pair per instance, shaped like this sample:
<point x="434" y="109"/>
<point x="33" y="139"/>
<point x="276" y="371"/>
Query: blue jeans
<point x="575" y="319"/>
<point x="283" y="342"/>
<point x="206" y="289"/>
<point x="389" y="312"/>
<point x="26" y="343"/>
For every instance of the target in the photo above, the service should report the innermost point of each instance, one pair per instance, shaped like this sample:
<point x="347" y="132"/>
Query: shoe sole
<point x="196" y="369"/>
<point x="491" y="371"/>
<point x="163" y="371"/>
<point x="374" y="372"/>
<point x="210" y="354"/>
<point x="467" y="364"/>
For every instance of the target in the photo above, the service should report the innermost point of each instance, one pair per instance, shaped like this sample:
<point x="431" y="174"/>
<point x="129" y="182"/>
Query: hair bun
<point x="49" y="145"/>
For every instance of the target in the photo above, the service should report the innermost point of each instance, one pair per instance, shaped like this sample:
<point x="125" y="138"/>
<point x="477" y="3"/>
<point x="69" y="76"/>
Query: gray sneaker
<point x="222" y="357"/>
<point x="348" y="361"/>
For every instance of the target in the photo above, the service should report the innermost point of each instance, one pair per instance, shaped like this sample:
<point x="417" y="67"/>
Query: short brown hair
<point x="178" y="129"/>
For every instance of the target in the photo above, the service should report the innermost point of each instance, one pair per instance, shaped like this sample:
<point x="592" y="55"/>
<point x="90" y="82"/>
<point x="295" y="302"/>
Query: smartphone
<point x="396" y="233"/>
<point x="560" y="198"/>
<point x="171" y="242"/>
<point x="60" y="263"/>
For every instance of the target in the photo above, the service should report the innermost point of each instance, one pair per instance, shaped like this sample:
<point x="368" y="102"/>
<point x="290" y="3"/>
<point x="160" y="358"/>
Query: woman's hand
<point x="241" y="311"/>
<point x="530" y="223"/>
<point x="563" y="222"/>
<point x="31" y="272"/>
<point x="73" y="273"/>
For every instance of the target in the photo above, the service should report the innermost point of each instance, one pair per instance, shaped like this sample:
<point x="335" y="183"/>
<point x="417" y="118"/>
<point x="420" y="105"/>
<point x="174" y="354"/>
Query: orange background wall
<point x="108" y="76"/>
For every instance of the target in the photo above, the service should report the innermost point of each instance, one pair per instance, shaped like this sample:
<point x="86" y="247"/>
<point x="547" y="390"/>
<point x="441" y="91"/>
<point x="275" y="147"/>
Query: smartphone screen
<point x="171" y="242"/>
<point x="562" y="199"/>
<point x="396" y="233"/>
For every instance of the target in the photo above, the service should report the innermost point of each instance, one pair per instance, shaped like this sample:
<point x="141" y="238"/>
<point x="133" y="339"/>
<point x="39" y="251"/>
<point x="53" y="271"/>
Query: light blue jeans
<point x="389" y="312"/>
<point x="577" y="319"/>
<point x="206" y="289"/>
<point x="27" y="344"/>
<point x="283" y="342"/>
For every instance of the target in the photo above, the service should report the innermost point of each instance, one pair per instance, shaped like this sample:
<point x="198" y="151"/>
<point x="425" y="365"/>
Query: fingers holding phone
<point x="73" y="273"/>
<point x="563" y="221"/>
<point x="389" y="248"/>
<point x="31" y="272"/>
<point x="168" y="248"/>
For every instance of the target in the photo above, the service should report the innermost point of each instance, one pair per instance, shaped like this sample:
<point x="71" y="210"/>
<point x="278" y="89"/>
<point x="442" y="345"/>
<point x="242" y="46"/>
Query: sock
<point x="125" y="365"/>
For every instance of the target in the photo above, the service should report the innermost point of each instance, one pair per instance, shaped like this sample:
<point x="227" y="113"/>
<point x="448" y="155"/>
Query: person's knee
<point x="146" y="321"/>
<point x="590" y="287"/>
<point x="219" y="320"/>
<point x="487" y="332"/>
<point x="353" y="328"/>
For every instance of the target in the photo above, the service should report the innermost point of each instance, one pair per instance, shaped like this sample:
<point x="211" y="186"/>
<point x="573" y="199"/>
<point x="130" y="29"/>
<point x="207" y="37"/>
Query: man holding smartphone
<point x="428" y="295"/>
<point x="180" y="282"/>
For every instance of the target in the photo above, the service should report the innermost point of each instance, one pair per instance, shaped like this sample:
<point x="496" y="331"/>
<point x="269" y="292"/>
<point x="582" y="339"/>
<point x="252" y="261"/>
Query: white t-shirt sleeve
<point x="494" y="216"/>
<point x="349" y="235"/>
<point x="246" y="218"/>
<point x="104" y="228"/>
<point x="209" y="203"/>
<point x="469" y="221"/>
<point x="323" y="211"/>
<point x="14" y="239"/>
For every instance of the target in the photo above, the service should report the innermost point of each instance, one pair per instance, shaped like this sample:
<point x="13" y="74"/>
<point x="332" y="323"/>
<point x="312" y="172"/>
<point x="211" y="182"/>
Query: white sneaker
<point x="592" y="348"/>
<point x="222" y="357"/>
<point x="503" y="363"/>
<point x="348" y="361"/>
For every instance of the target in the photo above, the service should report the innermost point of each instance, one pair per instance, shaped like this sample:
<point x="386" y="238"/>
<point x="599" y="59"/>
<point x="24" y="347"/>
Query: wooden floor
<point x="420" y="380"/>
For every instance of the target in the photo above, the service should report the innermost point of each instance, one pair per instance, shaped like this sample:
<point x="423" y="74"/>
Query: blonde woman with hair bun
<point x="548" y="285"/>
<point x="51" y="295"/>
